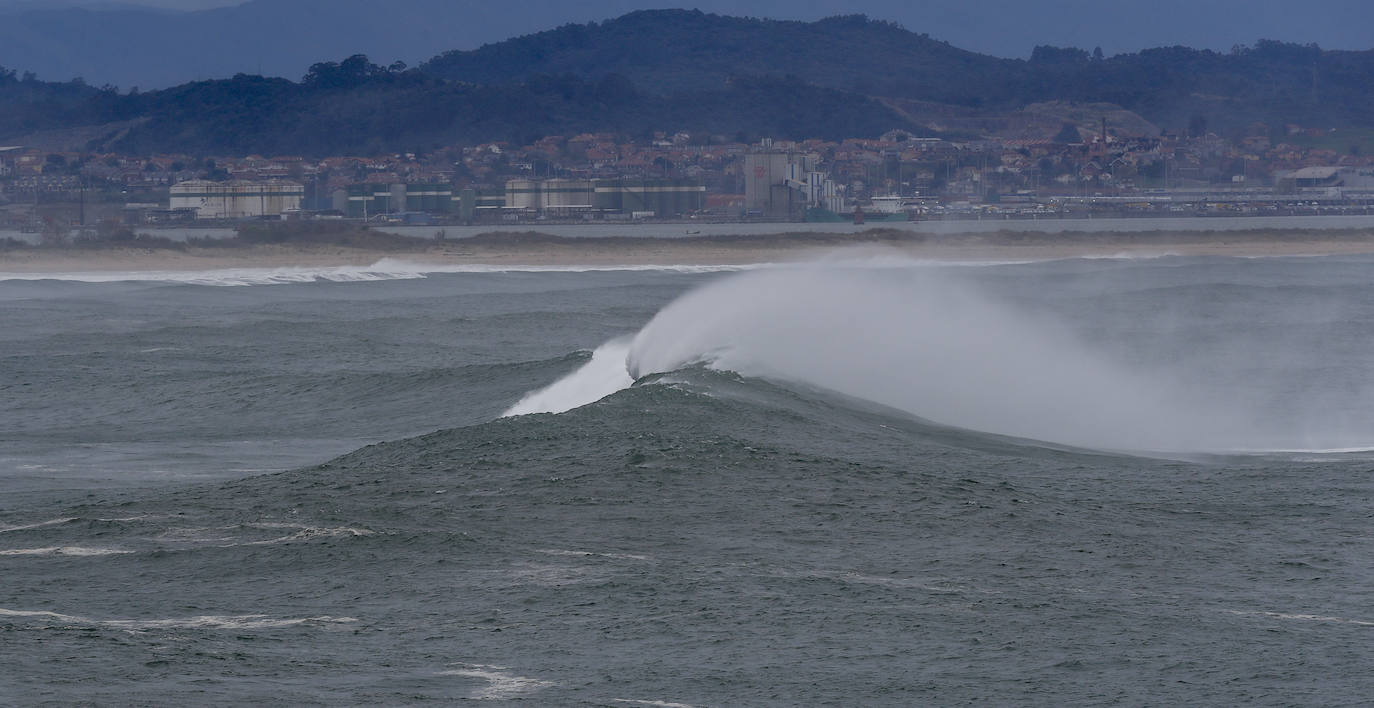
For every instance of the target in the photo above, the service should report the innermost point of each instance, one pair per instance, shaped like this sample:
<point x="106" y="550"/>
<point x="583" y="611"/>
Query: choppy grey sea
<point x="858" y="482"/>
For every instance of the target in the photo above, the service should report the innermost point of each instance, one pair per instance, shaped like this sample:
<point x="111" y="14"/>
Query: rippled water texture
<point x="858" y="482"/>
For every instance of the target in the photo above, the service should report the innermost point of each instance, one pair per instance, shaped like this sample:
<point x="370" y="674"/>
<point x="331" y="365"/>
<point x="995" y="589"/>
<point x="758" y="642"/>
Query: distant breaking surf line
<point x="383" y="270"/>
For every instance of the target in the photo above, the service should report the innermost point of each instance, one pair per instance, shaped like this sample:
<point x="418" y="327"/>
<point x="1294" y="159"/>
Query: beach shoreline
<point x="540" y="250"/>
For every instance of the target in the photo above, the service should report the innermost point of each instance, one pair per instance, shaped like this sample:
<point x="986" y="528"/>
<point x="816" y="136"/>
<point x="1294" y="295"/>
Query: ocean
<point x="860" y="481"/>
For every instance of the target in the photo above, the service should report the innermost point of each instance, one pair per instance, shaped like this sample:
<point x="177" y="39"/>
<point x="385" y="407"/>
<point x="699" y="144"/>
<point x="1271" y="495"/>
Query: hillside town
<point x="1085" y="171"/>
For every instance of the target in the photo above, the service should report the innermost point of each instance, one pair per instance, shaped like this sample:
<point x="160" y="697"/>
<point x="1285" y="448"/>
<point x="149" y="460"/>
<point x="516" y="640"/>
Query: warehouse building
<point x="783" y="185"/>
<point x="236" y="199"/>
<point x="551" y="195"/>
<point x="364" y="201"/>
<point x="660" y="198"/>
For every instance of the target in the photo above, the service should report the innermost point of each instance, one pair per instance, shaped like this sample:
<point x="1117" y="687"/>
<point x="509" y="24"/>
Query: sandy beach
<point x="537" y="250"/>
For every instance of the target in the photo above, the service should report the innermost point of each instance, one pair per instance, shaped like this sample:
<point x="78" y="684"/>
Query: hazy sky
<point x="1007" y="28"/>
<point x="184" y="4"/>
<point x="163" y="4"/>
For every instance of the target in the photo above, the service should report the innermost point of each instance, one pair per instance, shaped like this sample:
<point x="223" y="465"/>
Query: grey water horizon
<point x="855" y="481"/>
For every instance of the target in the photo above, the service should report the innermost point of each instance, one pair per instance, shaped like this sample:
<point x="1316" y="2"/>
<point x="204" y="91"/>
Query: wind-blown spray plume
<point x="919" y="339"/>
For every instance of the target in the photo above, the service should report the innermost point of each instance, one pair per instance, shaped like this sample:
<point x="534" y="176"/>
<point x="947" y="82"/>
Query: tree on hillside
<point x="1068" y="134"/>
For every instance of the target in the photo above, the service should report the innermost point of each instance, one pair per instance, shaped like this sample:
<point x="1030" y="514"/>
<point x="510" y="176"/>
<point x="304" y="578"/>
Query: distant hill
<point x="116" y="42"/>
<point x="674" y="70"/>
<point x="355" y="107"/>
<point x="665" y="51"/>
<point x="668" y="50"/>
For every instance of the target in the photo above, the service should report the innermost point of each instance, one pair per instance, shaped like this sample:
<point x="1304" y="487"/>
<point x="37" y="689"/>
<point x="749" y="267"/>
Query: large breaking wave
<point x="928" y="341"/>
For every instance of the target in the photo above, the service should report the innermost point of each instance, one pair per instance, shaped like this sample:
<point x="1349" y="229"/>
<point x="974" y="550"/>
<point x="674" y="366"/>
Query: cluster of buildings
<point x="680" y="176"/>
<point x="634" y="198"/>
<point x="203" y="199"/>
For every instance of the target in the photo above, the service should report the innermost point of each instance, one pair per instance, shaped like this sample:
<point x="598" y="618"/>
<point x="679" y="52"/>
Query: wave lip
<point x="603" y="375"/>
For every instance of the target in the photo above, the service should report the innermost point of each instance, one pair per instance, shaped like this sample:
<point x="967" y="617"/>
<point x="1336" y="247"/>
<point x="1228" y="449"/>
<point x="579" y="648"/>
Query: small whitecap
<point x="501" y="683"/>
<point x="39" y="525"/>
<point x="1300" y="617"/>
<point x="64" y="551"/>
<point x="237" y="622"/>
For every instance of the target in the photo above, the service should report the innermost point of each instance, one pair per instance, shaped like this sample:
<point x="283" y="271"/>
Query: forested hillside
<point x="1270" y="81"/>
<point x="676" y="70"/>
<point x="357" y="107"/>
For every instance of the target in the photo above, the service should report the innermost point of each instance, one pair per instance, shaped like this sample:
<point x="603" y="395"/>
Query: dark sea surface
<point x="860" y="482"/>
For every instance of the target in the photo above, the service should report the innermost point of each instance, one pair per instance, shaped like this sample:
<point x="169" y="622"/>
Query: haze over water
<point x="861" y="481"/>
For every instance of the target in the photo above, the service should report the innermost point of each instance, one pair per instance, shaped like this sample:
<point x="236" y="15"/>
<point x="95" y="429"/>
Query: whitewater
<point x="384" y="269"/>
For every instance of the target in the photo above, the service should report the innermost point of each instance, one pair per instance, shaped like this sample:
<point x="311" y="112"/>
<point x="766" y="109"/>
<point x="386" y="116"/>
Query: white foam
<point x="501" y="683"/>
<point x="605" y="374"/>
<point x="436" y="268"/>
<point x="1306" y="451"/>
<point x="1131" y="256"/>
<point x="64" y="551"/>
<point x="1302" y="617"/>
<point x="39" y="525"/>
<point x="198" y="622"/>
<point x="305" y="533"/>
<point x="217" y="535"/>
<point x="385" y="269"/>
<point x="590" y="554"/>
<point x="226" y="276"/>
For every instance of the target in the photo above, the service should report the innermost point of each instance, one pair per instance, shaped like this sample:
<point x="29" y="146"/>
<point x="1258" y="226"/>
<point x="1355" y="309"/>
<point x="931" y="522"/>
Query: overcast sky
<point x="1008" y="28"/>
<point x="162" y="4"/>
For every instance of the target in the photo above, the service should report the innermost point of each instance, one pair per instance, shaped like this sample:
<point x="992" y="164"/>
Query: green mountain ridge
<point x="680" y="70"/>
